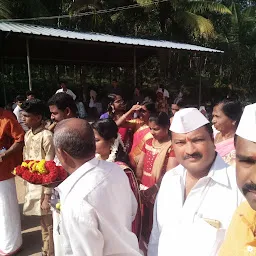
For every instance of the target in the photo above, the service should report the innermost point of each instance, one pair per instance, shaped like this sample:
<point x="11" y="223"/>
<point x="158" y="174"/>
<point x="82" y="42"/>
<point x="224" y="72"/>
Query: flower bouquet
<point x="40" y="172"/>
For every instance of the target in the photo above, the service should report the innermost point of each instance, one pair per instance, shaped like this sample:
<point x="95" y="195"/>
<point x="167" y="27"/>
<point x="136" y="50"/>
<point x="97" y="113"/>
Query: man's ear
<point x="39" y="118"/>
<point x="62" y="155"/>
<point x="67" y="112"/>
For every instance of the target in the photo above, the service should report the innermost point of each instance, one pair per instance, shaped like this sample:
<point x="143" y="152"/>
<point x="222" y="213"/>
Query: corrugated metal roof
<point x="95" y="37"/>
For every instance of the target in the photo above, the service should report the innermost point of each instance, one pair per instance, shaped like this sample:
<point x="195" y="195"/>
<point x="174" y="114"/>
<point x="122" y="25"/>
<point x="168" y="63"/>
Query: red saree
<point x="126" y="136"/>
<point x="154" y="158"/>
<point x="136" y="225"/>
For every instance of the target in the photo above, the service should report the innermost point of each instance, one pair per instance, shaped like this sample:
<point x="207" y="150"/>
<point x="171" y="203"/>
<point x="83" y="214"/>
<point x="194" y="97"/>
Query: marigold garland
<point x="40" y="172"/>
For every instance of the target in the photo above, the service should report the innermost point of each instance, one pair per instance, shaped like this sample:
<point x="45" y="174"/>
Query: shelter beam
<point x="200" y="82"/>
<point x="28" y="65"/>
<point x="134" y="67"/>
<point x="2" y="69"/>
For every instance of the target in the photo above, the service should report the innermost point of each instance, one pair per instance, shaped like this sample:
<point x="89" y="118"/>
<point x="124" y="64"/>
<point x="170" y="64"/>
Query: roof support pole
<point x="200" y="82"/>
<point x="134" y="67"/>
<point x="2" y="68"/>
<point x="28" y="65"/>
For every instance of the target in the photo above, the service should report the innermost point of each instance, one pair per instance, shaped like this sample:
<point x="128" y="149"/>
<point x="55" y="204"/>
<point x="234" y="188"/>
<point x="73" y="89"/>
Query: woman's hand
<point x="135" y="108"/>
<point x="128" y="114"/>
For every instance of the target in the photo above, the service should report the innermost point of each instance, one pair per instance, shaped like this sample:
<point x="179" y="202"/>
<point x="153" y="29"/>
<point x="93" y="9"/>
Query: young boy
<point x="38" y="146"/>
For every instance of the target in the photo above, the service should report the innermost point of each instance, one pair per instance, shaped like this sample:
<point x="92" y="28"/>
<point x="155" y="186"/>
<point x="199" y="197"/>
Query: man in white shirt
<point x="196" y="199"/>
<point x="66" y="90"/>
<point x="163" y="91"/>
<point x="61" y="107"/>
<point x="97" y="203"/>
<point x="18" y="112"/>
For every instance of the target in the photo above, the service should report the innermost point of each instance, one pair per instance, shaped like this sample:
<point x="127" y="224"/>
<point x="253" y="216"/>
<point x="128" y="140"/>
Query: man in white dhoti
<point x="97" y="203"/>
<point x="197" y="198"/>
<point x="11" y="143"/>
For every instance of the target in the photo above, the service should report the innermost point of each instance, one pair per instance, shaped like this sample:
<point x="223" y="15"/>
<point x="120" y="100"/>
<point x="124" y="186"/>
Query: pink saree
<point x="226" y="150"/>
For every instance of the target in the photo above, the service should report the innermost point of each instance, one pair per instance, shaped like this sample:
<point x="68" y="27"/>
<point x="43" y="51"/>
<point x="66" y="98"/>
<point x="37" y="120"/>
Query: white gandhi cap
<point x="187" y="120"/>
<point x="247" y="125"/>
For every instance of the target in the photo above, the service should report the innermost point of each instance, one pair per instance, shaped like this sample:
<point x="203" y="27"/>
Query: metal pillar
<point x="134" y="67"/>
<point x="28" y="64"/>
<point x="2" y="69"/>
<point x="200" y="83"/>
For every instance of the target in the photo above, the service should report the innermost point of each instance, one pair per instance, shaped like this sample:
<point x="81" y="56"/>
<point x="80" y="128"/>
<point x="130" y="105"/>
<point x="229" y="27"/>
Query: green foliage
<point x="229" y="25"/>
<point x="5" y="9"/>
<point x="199" y="25"/>
<point x="207" y="6"/>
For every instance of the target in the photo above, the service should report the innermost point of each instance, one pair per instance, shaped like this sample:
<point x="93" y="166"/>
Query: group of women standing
<point x="139" y="141"/>
<point x="142" y="147"/>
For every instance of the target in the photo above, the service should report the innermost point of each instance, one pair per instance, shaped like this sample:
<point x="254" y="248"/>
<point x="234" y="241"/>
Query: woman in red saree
<point x="140" y="128"/>
<point x="157" y="157"/>
<point x="109" y="147"/>
<point x="226" y="116"/>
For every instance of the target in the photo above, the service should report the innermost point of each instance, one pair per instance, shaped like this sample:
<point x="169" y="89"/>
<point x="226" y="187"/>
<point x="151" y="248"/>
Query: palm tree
<point x="239" y="37"/>
<point x="181" y="18"/>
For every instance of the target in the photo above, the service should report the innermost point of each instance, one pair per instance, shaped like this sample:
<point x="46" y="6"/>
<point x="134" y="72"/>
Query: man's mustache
<point x="195" y="155"/>
<point x="248" y="187"/>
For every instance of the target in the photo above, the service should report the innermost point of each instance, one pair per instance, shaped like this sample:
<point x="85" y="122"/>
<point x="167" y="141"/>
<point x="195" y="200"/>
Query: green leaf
<point x="200" y="26"/>
<point x="5" y="10"/>
<point x="144" y="2"/>
<point x="250" y="12"/>
<point x="207" y="6"/>
<point x="233" y="34"/>
<point x="115" y="16"/>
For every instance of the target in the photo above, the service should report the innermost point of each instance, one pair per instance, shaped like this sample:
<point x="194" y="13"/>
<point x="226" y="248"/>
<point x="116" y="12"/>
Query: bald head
<point x="75" y="136"/>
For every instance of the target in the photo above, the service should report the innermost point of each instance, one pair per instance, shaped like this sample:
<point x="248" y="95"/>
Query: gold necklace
<point x="155" y="145"/>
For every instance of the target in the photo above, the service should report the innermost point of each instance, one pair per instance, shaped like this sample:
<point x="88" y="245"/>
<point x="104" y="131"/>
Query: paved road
<point x="31" y="232"/>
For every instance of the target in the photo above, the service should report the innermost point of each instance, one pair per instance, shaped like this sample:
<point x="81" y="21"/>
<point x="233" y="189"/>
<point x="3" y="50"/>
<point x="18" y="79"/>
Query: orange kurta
<point x="240" y="238"/>
<point x="10" y="132"/>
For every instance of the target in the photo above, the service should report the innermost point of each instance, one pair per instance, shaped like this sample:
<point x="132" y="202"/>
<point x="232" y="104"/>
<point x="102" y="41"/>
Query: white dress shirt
<point x="164" y="91"/>
<point x="97" y="210"/>
<point x="18" y="113"/>
<point x="68" y="91"/>
<point x="182" y="228"/>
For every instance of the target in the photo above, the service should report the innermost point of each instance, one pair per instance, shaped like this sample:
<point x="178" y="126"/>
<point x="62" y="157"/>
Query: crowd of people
<point x="156" y="179"/>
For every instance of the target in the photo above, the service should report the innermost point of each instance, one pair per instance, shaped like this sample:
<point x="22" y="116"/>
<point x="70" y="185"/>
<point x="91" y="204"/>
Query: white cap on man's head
<point x="247" y="125"/>
<point x="187" y="120"/>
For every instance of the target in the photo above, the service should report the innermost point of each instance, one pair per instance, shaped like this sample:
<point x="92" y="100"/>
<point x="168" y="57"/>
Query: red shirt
<point x="10" y="132"/>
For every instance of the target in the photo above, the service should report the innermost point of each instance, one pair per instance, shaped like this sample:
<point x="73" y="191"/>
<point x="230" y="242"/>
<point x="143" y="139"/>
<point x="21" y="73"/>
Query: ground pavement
<point x="30" y="226"/>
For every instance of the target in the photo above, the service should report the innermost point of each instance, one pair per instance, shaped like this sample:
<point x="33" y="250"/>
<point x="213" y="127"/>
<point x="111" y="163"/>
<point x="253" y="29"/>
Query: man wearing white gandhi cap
<point x="240" y="239"/>
<point x="196" y="199"/>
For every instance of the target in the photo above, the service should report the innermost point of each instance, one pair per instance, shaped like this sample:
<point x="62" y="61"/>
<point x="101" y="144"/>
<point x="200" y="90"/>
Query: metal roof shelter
<point x="31" y="43"/>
